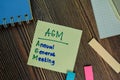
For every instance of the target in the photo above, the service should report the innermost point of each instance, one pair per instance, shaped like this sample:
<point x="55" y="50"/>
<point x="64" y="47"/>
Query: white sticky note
<point x="107" y="23"/>
<point x="116" y="7"/>
<point x="105" y="55"/>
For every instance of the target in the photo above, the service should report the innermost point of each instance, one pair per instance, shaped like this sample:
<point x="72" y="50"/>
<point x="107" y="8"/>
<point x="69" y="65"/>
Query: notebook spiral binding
<point x="12" y="20"/>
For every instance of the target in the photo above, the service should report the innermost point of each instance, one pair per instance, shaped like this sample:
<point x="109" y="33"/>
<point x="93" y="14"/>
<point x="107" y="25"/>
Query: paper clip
<point x="27" y="18"/>
<point x="12" y="21"/>
<point x="19" y="20"/>
<point x="5" y="23"/>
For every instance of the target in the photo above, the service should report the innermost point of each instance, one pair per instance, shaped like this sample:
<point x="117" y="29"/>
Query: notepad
<point x="12" y="11"/>
<point x="54" y="47"/>
<point x="107" y="23"/>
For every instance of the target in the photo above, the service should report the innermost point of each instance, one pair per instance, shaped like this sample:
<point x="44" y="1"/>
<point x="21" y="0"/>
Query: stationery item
<point x="70" y="76"/>
<point x="13" y="11"/>
<point x="116" y="7"/>
<point x="54" y="47"/>
<point x="107" y="23"/>
<point x="88" y="73"/>
<point x="105" y="55"/>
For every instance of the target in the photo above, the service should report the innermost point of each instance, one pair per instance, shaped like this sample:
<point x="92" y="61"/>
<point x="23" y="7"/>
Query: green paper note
<point x="54" y="47"/>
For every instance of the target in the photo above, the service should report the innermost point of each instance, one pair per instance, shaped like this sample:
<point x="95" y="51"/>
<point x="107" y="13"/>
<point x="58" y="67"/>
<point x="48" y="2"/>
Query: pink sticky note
<point x="88" y="73"/>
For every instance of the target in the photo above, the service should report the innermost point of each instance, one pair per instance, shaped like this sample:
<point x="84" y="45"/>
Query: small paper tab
<point x="70" y="76"/>
<point x="88" y="73"/>
<point x="105" y="55"/>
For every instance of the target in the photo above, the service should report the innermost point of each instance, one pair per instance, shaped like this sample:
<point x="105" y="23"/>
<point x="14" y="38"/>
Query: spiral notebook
<point x="12" y="11"/>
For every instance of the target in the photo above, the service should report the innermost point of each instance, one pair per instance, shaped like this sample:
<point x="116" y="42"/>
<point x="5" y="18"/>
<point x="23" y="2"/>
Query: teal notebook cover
<point x="12" y="11"/>
<point x="107" y="23"/>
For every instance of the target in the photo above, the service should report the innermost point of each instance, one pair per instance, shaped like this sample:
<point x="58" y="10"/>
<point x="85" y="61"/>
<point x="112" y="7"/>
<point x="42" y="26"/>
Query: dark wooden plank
<point x="15" y="42"/>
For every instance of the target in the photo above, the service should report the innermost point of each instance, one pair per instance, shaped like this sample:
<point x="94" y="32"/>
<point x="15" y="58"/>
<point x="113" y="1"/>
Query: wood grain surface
<point x="15" y="42"/>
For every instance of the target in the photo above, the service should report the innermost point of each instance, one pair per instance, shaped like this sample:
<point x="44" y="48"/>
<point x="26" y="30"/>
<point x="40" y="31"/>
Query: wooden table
<point x="15" y="42"/>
